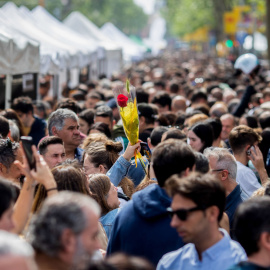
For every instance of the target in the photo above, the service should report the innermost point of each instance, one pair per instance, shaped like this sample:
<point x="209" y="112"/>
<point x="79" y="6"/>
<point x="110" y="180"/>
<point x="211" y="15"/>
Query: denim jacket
<point x="107" y="221"/>
<point x="122" y="168"/>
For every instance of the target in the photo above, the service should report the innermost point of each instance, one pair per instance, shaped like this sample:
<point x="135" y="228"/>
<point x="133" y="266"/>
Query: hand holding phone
<point x="27" y="143"/>
<point x="145" y="150"/>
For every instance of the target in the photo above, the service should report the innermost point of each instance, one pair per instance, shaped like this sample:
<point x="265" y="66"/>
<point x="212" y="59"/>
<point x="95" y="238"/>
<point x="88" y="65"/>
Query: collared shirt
<point x="248" y="266"/>
<point x="221" y="256"/>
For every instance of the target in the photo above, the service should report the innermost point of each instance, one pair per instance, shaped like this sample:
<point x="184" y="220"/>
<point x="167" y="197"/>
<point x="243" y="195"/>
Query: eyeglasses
<point x="220" y="170"/>
<point x="182" y="214"/>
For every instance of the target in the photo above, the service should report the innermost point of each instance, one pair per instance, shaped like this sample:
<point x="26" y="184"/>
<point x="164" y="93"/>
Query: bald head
<point x="179" y="104"/>
<point x="218" y="109"/>
<point x="228" y="123"/>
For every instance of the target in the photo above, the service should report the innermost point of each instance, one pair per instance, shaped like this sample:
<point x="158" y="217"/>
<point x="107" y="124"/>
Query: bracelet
<point x="48" y="190"/>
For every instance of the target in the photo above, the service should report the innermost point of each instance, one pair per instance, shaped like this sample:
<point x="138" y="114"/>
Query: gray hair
<point x="11" y="244"/>
<point x="8" y="152"/>
<point x="14" y="130"/>
<point x="225" y="160"/>
<point x="66" y="210"/>
<point x="57" y="119"/>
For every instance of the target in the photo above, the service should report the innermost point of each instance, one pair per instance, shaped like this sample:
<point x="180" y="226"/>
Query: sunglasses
<point x="182" y="214"/>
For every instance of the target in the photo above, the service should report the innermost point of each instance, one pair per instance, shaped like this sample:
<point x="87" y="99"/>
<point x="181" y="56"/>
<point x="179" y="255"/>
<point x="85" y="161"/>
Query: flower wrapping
<point x="125" y="96"/>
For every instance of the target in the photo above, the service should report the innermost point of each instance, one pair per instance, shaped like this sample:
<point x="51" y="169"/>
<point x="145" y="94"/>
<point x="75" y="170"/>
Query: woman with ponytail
<point x="100" y="157"/>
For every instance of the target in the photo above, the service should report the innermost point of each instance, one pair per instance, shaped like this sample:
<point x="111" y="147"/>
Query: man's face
<point x="70" y="133"/>
<point x="54" y="155"/>
<point x="90" y="103"/>
<point x="194" y="227"/>
<point x="6" y="220"/>
<point x="105" y="120"/>
<point x="87" y="242"/>
<point x="227" y="126"/>
<point x="84" y="127"/>
<point x="89" y="167"/>
<point x="26" y="118"/>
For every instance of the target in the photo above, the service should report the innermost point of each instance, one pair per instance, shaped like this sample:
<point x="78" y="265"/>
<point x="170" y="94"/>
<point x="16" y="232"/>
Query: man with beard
<point x="64" y="123"/>
<point x="64" y="232"/>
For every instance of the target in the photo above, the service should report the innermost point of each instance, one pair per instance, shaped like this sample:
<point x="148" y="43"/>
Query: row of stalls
<point x="34" y="43"/>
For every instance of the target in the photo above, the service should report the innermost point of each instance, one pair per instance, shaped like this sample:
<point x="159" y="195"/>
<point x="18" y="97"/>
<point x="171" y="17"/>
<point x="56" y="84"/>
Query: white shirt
<point x="247" y="179"/>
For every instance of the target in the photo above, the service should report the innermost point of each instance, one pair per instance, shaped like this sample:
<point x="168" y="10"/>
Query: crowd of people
<point x="199" y="201"/>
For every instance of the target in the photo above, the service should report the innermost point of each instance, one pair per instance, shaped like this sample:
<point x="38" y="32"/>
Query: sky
<point x="147" y="5"/>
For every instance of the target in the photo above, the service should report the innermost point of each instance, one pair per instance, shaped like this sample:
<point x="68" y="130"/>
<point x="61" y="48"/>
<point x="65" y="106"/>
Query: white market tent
<point x="109" y="54"/>
<point x="50" y="25"/>
<point x="55" y="54"/>
<point x="131" y="50"/>
<point x="86" y="47"/>
<point x="18" y="55"/>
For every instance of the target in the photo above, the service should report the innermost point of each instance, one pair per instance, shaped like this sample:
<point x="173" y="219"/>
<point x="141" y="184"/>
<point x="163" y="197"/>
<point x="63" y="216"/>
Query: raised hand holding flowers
<point x="127" y="105"/>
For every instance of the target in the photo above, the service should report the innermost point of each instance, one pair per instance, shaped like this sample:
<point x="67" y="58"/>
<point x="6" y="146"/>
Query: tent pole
<point x="8" y="91"/>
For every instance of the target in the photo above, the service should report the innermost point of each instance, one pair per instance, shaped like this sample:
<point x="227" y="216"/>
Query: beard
<point x="81" y="258"/>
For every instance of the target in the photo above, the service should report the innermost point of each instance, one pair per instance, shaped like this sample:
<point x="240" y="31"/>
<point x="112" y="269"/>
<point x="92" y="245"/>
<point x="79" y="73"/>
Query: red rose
<point x="122" y="100"/>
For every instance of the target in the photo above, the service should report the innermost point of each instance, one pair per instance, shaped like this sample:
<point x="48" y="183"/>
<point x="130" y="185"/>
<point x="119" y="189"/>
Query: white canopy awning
<point x="50" y="25"/>
<point x="18" y="54"/>
<point x="55" y="54"/>
<point x="131" y="50"/>
<point x="109" y="54"/>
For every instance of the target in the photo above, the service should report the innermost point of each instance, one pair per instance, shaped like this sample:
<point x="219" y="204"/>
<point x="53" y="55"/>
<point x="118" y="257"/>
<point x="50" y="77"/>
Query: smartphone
<point x="145" y="150"/>
<point x="27" y="143"/>
<point x="249" y="152"/>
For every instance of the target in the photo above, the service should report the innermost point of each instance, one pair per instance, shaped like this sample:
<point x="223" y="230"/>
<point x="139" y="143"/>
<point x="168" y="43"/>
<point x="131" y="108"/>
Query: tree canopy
<point x="124" y="14"/>
<point x="185" y="16"/>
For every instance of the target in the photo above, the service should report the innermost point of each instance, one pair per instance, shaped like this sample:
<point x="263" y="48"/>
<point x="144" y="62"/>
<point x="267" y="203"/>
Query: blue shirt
<point x="107" y="221"/>
<point x="78" y="154"/>
<point x="221" y="256"/>
<point x="122" y="168"/>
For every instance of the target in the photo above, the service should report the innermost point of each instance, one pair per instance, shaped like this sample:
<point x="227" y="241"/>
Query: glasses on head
<point x="182" y="214"/>
<point x="220" y="170"/>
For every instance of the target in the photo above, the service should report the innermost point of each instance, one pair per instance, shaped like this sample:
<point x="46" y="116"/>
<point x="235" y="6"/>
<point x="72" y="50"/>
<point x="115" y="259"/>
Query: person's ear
<point x="264" y="240"/>
<point x="142" y="119"/>
<point x="213" y="213"/>
<point x="149" y="143"/>
<point x="247" y="147"/>
<point x="102" y="169"/>
<point x="224" y="175"/>
<point x="113" y="122"/>
<point x="68" y="241"/>
<point x="54" y="131"/>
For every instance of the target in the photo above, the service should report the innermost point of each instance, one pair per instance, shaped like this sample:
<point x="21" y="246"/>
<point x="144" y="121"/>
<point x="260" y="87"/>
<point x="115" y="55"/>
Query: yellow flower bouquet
<point x="125" y="96"/>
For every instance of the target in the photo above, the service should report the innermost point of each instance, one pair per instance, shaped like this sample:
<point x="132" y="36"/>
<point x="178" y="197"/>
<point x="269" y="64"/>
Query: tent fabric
<point x="84" y="26"/>
<point x="109" y="54"/>
<point x="50" y="25"/>
<point x="55" y="54"/>
<point x="131" y="50"/>
<point x="18" y="54"/>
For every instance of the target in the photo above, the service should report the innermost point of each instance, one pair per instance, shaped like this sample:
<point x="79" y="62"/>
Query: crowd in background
<point x="200" y="202"/>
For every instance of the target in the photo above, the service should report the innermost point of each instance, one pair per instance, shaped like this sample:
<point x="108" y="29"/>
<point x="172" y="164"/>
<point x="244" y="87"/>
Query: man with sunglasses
<point x="142" y="228"/>
<point x="196" y="210"/>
